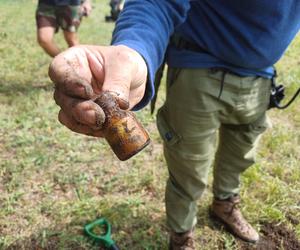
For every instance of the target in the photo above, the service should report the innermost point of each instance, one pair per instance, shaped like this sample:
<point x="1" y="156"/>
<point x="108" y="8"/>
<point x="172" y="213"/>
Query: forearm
<point x="146" y="26"/>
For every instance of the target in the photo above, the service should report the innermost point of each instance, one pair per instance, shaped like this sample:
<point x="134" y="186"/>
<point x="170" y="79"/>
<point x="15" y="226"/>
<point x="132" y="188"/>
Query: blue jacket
<point x="245" y="36"/>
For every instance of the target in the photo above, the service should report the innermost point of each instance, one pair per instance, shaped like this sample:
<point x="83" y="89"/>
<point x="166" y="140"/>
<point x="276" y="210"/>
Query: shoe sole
<point x="228" y="228"/>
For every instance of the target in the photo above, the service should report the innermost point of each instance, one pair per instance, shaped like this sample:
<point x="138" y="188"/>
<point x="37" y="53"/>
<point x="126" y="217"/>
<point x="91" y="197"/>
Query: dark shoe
<point x="182" y="241"/>
<point x="229" y="214"/>
<point x="110" y="19"/>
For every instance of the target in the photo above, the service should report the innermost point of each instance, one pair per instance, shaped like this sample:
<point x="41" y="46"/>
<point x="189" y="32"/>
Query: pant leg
<point x="239" y="135"/>
<point x="187" y="123"/>
<point x="236" y="153"/>
<point x="188" y="165"/>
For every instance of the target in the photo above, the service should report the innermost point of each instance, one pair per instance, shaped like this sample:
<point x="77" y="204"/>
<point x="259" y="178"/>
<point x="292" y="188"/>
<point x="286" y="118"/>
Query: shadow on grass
<point x="129" y="231"/>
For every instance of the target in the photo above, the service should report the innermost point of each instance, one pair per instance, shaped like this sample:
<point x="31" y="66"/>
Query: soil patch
<point x="273" y="237"/>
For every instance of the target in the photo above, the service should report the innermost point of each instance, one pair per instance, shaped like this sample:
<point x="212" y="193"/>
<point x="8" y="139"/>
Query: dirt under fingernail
<point x="88" y="91"/>
<point x="100" y="118"/>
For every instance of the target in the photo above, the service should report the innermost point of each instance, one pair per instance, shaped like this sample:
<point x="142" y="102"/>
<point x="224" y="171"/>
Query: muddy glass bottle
<point x="123" y="132"/>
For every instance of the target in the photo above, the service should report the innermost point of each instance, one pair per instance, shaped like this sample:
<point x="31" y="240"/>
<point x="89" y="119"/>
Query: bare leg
<point x="45" y="37"/>
<point x="71" y="38"/>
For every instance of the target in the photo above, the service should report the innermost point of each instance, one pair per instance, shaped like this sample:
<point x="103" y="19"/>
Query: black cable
<point x="222" y="83"/>
<point x="277" y="104"/>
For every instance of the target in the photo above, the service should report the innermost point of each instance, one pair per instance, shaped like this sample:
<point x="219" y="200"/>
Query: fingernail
<point x="100" y="118"/>
<point x="88" y="90"/>
<point x="123" y="104"/>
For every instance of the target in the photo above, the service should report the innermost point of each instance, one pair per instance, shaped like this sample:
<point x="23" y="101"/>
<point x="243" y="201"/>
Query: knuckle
<point x="78" y="114"/>
<point x="125" y="54"/>
<point x="79" y="110"/>
<point x="61" y="118"/>
<point x="52" y="71"/>
<point x="56" y="97"/>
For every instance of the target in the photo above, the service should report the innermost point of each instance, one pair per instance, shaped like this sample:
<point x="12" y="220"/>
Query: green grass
<point x="53" y="181"/>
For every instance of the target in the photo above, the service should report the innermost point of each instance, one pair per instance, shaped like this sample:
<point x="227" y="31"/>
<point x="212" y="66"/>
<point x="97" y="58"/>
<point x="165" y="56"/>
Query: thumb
<point x="125" y="72"/>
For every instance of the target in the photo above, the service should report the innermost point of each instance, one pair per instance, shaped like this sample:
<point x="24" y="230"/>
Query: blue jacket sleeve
<point x="146" y="26"/>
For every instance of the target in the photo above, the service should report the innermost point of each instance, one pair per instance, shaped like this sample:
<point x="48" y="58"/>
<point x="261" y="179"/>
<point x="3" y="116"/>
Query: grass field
<point x="53" y="181"/>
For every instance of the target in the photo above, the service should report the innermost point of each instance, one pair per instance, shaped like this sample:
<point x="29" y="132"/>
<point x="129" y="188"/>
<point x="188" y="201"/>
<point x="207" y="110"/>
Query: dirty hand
<point x="81" y="73"/>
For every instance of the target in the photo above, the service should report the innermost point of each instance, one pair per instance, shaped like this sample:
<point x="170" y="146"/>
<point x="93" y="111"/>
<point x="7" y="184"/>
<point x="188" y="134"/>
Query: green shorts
<point x="65" y="17"/>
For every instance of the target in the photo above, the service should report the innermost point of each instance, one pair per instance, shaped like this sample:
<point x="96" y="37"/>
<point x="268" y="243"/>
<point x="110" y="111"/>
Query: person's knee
<point x="43" y="42"/>
<point x="44" y="39"/>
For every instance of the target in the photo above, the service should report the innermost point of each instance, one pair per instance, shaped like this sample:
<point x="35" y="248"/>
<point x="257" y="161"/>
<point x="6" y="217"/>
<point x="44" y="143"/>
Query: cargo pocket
<point x="165" y="130"/>
<point x="256" y="129"/>
<point x="260" y="125"/>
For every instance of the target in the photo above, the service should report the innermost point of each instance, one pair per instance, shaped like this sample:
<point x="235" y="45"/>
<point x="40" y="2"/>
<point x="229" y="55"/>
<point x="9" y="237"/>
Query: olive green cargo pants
<point x="189" y="122"/>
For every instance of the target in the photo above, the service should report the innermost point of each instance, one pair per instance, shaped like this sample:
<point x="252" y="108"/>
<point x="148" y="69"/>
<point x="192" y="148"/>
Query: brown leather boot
<point x="229" y="214"/>
<point x="182" y="241"/>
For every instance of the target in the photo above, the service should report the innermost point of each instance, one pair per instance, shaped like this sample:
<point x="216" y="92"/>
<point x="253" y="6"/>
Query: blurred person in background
<point x="116" y="8"/>
<point x="54" y="14"/>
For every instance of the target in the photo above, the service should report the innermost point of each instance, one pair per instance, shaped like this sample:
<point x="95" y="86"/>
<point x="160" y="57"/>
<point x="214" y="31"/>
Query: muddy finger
<point x="77" y="127"/>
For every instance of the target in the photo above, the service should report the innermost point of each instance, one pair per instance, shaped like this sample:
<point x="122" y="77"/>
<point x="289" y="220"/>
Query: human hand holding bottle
<point x="83" y="73"/>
